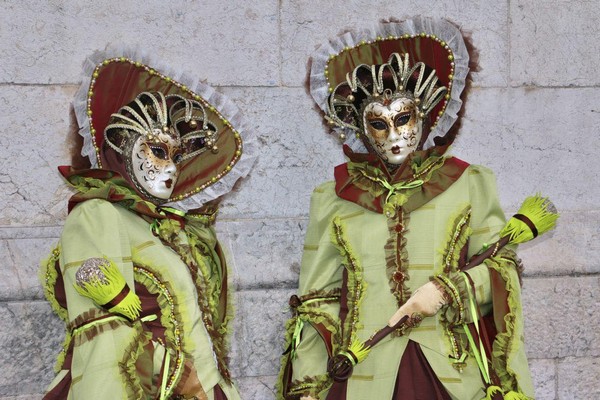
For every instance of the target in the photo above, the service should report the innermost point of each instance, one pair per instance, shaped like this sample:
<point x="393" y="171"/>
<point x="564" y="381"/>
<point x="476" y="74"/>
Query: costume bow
<point x="398" y="186"/>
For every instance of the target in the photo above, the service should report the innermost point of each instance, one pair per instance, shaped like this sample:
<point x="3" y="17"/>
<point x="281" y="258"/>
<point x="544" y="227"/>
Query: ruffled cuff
<point x="455" y="296"/>
<point x="308" y="386"/>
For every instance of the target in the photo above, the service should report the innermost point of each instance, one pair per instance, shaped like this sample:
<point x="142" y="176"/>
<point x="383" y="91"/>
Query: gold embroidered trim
<point x="424" y="328"/>
<point x="318" y="296"/>
<point x="170" y="319"/>
<point x="449" y="380"/>
<point x="458" y="236"/>
<point x="420" y="267"/>
<point x="506" y="343"/>
<point x="451" y="315"/>
<point x="144" y="245"/>
<point x="396" y="256"/>
<point x="426" y="170"/>
<point x="308" y="385"/>
<point x="132" y="384"/>
<point x="356" y="285"/>
<point x="207" y="278"/>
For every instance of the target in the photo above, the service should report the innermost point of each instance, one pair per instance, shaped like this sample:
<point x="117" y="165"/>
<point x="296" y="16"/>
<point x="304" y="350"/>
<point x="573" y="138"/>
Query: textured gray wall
<point x="533" y="117"/>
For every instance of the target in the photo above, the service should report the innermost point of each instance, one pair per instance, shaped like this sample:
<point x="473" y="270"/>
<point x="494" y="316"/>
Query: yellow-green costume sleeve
<point x="487" y="219"/>
<point x="320" y="281"/>
<point x="93" y="229"/>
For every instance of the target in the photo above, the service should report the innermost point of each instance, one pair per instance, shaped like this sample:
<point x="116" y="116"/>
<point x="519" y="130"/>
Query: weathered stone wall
<point x="533" y="117"/>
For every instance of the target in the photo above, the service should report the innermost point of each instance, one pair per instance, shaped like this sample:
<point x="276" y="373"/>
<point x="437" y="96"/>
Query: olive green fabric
<point x="103" y="363"/>
<point x="428" y="234"/>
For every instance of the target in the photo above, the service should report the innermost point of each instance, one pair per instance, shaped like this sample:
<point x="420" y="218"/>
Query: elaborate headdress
<point x="122" y="98"/>
<point x="421" y="58"/>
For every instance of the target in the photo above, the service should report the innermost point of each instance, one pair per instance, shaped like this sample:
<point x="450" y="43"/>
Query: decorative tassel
<point x="100" y="280"/>
<point x="536" y="216"/>
<point x="491" y="391"/>
<point x="359" y="350"/>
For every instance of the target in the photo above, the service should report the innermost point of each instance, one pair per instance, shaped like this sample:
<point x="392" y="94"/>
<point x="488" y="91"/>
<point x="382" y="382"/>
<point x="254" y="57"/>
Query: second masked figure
<point x="390" y="236"/>
<point x="138" y="275"/>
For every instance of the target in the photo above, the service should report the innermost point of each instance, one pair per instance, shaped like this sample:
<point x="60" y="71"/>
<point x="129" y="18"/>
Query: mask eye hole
<point x="378" y="124"/>
<point x="159" y="152"/>
<point x="401" y="119"/>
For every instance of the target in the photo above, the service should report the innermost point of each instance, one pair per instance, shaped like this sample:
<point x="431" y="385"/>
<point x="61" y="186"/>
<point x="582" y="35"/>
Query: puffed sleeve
<point x="486" y="221"/>
<point x="316" y="306"/>
<point x="102" y="342"/>
<point x="93" y="229"/>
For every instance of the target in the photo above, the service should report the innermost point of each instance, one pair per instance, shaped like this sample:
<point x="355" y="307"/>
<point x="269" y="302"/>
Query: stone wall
<point x="533" y="117"/>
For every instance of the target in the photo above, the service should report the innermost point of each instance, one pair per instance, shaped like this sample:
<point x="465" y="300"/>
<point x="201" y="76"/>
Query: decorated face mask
<point x="155" y="164"/>
<point x="393" y="130"/>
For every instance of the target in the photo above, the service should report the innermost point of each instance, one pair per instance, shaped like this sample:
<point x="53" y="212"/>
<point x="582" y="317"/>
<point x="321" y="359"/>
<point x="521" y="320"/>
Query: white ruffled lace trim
<point x="219" y="101"/>
<point x="439" y="27"/>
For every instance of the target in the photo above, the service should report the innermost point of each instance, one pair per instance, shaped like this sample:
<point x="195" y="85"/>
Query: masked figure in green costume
<point x="138" y="275"/>
<point x="390" y="236"/>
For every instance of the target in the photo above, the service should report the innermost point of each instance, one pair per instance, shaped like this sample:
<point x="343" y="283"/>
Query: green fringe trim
<point x="425" y="170"/>
<point x="458" y="235"/>
<point x="48" y="275"/>
<point x="99" y="188"/>
<point x="316" y="296"/>
<point x="491" y="391"/>
<point x="506" y="343"/>
<point x="307" y="313"/>
<point x="366" y="177"/>
<point x="312" y="386"/>
<point x="132" y="384"/>
<point x="356" y="284"/>
<point x="82" y="330"/>
<point x="207" y="278"/>
<point x="516" y="396"/>
<point x="170" y="318"/>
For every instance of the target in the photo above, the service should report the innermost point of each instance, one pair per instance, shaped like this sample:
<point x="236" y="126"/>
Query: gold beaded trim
<point x="177" y="333"/>
<point x="459" y="238"/>
<point x="396" y="255"/>
<point x="355" y="283"/>
<point x="181" y="86"/>
<point x="402" y="37"/>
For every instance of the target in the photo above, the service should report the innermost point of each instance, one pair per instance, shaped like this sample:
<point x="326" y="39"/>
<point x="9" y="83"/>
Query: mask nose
<point x="171" y="168"/>
<point x="393" y="134"/>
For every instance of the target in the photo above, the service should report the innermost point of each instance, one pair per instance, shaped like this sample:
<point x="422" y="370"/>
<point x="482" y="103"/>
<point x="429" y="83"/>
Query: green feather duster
<point x="536" y="216"/>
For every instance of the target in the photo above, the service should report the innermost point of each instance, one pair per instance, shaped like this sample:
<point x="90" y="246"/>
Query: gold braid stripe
<point x="165" y="292"/>
<point x="356" y="286"/>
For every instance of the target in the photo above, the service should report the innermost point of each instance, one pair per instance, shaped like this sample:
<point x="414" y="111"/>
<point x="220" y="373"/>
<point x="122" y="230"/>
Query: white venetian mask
<point x="394" y="130"/>
<point x="155" y="164"/>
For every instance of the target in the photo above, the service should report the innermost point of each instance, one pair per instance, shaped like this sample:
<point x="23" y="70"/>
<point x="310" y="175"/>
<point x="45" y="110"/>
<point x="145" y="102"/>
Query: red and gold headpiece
<point x="192" y="110"/>
<point x="423" y="58"/>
